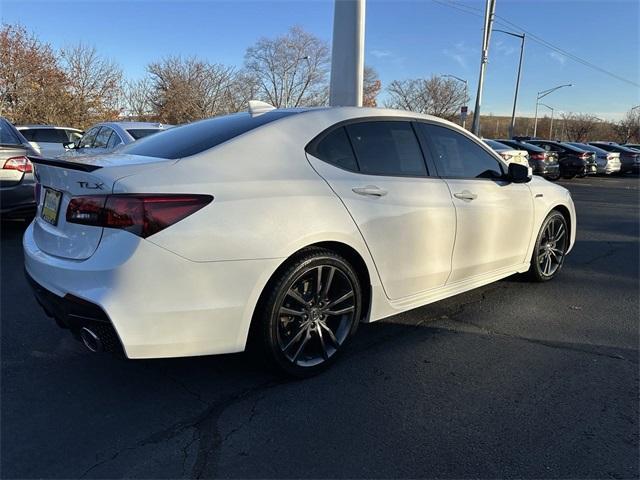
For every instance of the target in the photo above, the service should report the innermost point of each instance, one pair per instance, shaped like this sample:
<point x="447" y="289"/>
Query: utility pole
<point x="463" y="113"/>
<point x="541" y="95"/>
<point x="489" y="14"/>
<point x="347" y="53"/>
<point x="512" y="126"/>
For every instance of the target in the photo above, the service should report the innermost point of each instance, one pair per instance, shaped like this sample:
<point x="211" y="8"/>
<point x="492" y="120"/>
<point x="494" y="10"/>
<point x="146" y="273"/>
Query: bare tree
<point x="187" y="89"/>
<point x="628" y="129"/>
<point x="578" y="127"/>
<point x="94" y="84"/>
<point x="371" y="87"/>
<point x="136" y="100"/>
<point x="434" y="96"/>
<point x="32" y="83"/>
<point x="291" y="70"/>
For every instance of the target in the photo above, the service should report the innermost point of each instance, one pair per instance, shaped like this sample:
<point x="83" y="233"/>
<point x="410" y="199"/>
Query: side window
<point x="387" y="148"/>
<point x="458" y="156"/>
<point x="336" y="150"/>
<point x="7" y="137"/>
<point x="88" y="138"/>
<point x="114" y="140"/>
<point x="102" y="138"/>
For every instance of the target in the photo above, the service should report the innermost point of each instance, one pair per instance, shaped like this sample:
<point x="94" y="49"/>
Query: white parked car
<point x="509" y="154"/>
<point x="294" y="225"/>
<point x="49" y="140"/>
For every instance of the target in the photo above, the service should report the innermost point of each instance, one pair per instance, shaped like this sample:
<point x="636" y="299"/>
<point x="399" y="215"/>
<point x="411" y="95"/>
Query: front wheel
<point x="550" y="249"/>
<point x="312" y="310"/>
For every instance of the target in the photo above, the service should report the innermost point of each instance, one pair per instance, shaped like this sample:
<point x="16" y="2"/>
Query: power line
<point x="536" y="38"/>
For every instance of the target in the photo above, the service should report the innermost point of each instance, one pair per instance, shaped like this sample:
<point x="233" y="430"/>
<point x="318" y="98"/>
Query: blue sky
<point x="404" y="39"/>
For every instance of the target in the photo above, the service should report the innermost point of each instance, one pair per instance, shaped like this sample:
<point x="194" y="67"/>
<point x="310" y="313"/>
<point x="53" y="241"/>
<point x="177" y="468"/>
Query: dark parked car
<point x="16" y="172"/>
<point x="629" y="157"/>
<point x="608" y="162"/>
<point x="635" y="146"/>
<point x="542" y="162"/>
<point x="574" y="162"/>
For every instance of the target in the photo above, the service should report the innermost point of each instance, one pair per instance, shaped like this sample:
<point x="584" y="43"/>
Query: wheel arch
<point x="347" y="251"/>
<point x="564" y="211"/>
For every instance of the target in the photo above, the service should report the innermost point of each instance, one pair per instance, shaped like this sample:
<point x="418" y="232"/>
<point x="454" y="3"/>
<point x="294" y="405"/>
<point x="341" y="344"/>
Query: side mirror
<point x="69" y="145"/>
<point x="519" y="173"/>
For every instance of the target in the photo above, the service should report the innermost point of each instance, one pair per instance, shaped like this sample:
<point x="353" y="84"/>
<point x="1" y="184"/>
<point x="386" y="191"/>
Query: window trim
<point x="430" y="148"/>
<point x="311" y="147"/>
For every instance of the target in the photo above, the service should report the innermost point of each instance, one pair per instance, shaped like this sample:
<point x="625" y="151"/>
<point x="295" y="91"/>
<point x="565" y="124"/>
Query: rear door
<point x="494" y="217"/>
<point x="405" y="216"/>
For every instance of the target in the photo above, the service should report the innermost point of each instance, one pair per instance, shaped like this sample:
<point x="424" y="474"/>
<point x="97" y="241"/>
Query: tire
<point x="550" y="249"/>
<point x="553" y="178"/>
<point x="306" y="320"/>
<point x="568" y="177"/>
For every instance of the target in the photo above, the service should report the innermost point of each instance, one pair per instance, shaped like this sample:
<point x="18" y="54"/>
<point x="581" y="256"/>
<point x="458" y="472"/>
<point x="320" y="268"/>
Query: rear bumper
<point x="18" y="200"/>
<point x="540" y="167"/>
<point x="160" y="304"/>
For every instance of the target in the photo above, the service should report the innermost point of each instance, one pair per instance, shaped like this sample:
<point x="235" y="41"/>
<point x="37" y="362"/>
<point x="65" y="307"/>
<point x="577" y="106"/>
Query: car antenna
<point x="256" y="107"/>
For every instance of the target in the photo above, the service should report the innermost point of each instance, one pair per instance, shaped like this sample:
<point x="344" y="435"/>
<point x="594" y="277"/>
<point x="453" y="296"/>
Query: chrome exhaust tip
<point x="90" y="340"/>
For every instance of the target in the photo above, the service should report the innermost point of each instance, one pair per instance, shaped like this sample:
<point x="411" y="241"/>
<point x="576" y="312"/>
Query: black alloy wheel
<point x="312" y="310"/>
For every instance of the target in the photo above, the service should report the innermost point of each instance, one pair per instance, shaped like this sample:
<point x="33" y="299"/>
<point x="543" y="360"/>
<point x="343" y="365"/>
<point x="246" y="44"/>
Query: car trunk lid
<point x="61" y="180"/>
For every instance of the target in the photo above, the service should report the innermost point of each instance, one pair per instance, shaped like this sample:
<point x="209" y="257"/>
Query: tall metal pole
<point x="541" y="95"/>
<point x="489" y="13"/>
<point x="347" y="56"/>
<point x="515" y="97"/>
<point x="552" y="112"/>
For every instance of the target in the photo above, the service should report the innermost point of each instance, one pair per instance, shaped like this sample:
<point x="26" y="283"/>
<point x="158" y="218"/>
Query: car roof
<point x="127" y="125"/>
<point x="35" y="127"/>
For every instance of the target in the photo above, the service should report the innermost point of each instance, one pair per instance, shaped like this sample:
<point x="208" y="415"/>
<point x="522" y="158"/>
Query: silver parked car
<point x="105" y="137"/>
<point x="16" y="172"/>
<point x="49" y="140"/>
<point x="606" y="162"/>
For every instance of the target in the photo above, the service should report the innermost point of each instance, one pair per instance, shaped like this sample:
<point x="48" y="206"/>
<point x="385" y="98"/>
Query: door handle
<point x="370" y="190"/>
<point x="465" y="195"/>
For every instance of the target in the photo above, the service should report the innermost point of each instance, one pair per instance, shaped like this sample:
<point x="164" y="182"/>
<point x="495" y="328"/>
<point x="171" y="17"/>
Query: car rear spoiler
<point x="84" y="167"/>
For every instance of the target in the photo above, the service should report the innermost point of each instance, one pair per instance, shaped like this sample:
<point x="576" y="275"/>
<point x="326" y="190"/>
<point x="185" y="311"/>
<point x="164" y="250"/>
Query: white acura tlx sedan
<point x="286" y="227"/>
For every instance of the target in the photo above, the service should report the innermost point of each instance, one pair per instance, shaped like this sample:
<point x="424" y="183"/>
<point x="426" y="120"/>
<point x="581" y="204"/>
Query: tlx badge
<point x="91" y="186"/>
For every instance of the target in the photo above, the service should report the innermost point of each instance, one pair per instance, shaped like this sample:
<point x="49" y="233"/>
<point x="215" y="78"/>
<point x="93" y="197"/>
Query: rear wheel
<point x="550" y="249"/>
<point x="552" y="176"/>
<point x="312" y="309"/>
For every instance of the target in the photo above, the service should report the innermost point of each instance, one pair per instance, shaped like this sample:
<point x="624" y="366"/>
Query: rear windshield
<point x="7" y="137"/>
<point x="138" y="133"/>
<point x="523" y="146"/>
<point x="199" y="136"/>
<point x="494" y="144"/>
<point x="45" y="135"/>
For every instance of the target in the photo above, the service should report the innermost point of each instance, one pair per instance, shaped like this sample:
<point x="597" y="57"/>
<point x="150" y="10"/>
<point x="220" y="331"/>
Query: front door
<point x="494" y="216"/>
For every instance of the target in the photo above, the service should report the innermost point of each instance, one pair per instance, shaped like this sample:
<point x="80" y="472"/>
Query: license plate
<point x="51" y="205"/>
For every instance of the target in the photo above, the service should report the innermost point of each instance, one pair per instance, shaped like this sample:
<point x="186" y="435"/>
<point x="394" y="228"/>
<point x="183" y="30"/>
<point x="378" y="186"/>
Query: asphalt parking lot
<point x="510" y="380"/>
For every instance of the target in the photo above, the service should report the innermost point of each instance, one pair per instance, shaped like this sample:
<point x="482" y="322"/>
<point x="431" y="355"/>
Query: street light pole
<point x="466" y="96"/>
<point x="551" y="126"/>
<point x="541" y="95"/>
<point x="515" y="97"/>
<point x="489" y="13"/>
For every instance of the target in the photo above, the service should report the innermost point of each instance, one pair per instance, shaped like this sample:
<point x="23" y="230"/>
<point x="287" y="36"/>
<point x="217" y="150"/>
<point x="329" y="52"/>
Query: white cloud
<point x="561" y="59"/>
<point x="380" y="53"/>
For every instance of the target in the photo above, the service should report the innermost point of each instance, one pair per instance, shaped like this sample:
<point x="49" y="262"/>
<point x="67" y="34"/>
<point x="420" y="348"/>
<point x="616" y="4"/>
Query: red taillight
<point x="585" y="155"/>
<point x="142" y="215"/>
<point x="537" y="156"/>
<point x="21" y="164"/>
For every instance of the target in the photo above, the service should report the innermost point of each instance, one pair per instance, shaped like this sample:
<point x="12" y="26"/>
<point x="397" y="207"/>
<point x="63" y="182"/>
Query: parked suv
<point x="48" y="140"/>
<point x="16" y="172"/>
<point x="574" y="162"/>
<point x="629" y="157"/>
<point x="105" y="137"/>
<point x="541" y="161"/>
